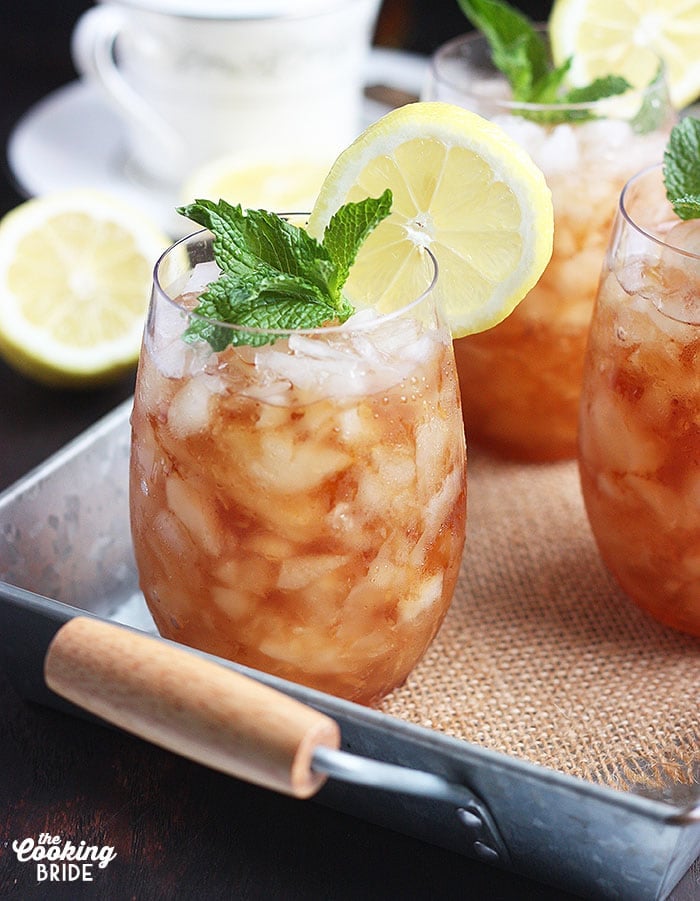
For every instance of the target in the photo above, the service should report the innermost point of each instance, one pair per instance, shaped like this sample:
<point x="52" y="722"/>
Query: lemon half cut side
<point x="279" y="185"/>
<point x="628" y="38"/>
<point x="462" y="188"/>
<point x="75" y="276"/>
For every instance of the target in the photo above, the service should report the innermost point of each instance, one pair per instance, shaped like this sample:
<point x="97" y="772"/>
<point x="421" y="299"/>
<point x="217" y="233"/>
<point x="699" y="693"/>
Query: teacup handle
<point x="93" y="45"/>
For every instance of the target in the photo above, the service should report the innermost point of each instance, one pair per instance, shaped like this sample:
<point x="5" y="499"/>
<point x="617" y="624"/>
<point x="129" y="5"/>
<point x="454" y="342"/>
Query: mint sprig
<point x="520" y="52"/>
<point x="682" y="168"/>
<point x="275" y="275"/>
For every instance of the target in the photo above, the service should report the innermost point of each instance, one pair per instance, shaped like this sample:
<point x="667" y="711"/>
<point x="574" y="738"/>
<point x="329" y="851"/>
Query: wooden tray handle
<point x="189" y="705"/>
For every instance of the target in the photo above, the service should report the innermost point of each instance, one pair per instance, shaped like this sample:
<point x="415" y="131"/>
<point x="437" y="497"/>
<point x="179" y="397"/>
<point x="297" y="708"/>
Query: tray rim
<point x="658" y="809"/>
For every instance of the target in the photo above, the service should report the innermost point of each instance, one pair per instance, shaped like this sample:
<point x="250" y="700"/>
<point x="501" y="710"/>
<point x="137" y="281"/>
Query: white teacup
<point x="198" y="79"/>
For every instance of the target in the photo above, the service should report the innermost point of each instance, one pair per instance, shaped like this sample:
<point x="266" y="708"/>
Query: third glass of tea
<point x="639" y="454"/>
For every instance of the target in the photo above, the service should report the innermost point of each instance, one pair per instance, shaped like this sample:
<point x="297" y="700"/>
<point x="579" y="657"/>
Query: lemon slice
<point x="287" y="185"/>
<point x="627" y="37"/>
<point x="75" y="276"/>
<point x="461" y="188"/>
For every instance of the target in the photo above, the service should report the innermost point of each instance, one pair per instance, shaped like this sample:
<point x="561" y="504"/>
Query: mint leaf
<point x="275" y="275"/>
<point x="682" y="168"/>
<point x="349" y="227"/>
<point x="687" y="206"/>
<point x="261" y="243"/>
<point x="520" y="52"/>
<point x="607" y="86"/>
<point x="548" y="86"/>
<point x="654" y="109"/>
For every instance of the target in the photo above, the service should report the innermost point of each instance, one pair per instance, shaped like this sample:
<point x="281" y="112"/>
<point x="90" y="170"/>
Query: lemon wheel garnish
<point x="462" y="188"/>
<point x="627" y="37"/>
<point x="279" y="185"/>
<point x="75" y="276"/>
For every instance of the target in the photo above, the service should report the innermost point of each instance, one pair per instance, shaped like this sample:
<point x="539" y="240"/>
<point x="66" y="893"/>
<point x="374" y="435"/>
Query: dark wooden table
<point x="180" y="831"/>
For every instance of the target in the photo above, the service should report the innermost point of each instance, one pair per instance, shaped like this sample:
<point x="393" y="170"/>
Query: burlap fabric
<point x="543" y="658"/>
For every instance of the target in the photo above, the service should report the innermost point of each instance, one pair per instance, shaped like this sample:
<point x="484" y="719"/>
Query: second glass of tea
<point x="520" y="381"/>
<point x="298" y="501"/>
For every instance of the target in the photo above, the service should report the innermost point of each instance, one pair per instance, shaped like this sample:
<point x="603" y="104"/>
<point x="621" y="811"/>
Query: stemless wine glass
<point x="298" y="503"/>
<point x="520" y="381"/>
<point x="639" y="455"/>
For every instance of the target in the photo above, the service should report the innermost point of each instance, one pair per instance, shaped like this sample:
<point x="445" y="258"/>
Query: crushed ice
<point x="662" y="275"/>
<point x="611" y="145"/>
<point x="358" y="359"/>
<point x="363" y="356"/>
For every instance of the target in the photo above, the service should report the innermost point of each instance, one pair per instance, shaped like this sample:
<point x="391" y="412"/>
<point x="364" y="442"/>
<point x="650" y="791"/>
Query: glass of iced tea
<point x="639" y="455"/>
<point x="520" y="381"/>
<point x="298" y="503"/>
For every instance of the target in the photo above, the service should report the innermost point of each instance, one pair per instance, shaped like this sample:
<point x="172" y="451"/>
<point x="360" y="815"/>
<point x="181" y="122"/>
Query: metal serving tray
<point x="65" y="550"/>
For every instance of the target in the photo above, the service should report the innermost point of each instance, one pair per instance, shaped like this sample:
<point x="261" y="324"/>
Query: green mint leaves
<point x="520" y="52"/>
<point x="517" y="49"/>
<point x="275" y="275"/>
<point x="682" y="168"/>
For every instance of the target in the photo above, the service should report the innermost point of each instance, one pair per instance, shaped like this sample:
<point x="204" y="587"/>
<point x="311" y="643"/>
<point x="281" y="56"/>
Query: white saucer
<point x="72" y="139"/>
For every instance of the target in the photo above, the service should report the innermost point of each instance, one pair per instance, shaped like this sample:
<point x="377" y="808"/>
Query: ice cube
<point x="227" y="572"/>
<point x="559" y="152"/>
<point x="232" y="601"/>
<point x="146" y="452"/>
<point x="189" y="409"/>
<point x="274" y="394"/>
<point x="201" y="275"/>
<point x="194" y="513"/>
<point x="350" y="361"/>
<point x="175" y="358"/>
<point x="287" y="466"/>
<point x="678" y="295"/>
<point x="269" y="545"/>
<point x="168" y="537"/>
<point x="528" y="134"/>
<point x="637" y="274"/>
<point x="257" y="576"/>
<point x="660" y="501"/>
<point x="685" y="236"/>
<point x="388" y="494"/>
<point x="617" y="438"/>
<point x="298" y="572"/>
<point x="433" y="440"/>
<point x="313" y="367"/>
<point x="309" y="651"/>
<point x="426" y="593"/>
<point x="439" y="508"/>
<point x="603" y="137"/>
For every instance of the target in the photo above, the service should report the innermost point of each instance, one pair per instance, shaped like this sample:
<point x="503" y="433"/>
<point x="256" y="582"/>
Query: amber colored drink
<point x="520" y="381"/>
<point x="639" y="452"/>
<point x="299" y="507"/>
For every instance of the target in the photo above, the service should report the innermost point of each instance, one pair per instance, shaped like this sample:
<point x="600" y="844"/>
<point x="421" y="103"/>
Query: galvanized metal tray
<point x="65" y="550"/>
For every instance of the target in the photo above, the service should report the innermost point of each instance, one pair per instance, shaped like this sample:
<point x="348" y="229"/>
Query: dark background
<point x="34" y="60"/>
<point x="184" y="832"/>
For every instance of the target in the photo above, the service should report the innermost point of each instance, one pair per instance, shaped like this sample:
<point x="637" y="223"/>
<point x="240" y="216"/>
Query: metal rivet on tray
<point x="470" y="819"/>
<point x="482" y="851"/>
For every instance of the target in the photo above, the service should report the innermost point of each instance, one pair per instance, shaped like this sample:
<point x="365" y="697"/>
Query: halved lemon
<point x="287" y="185"/>
<point x="627" y="37"/>
<point x="75" y="276"/>
<point x="461" y="188"/>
